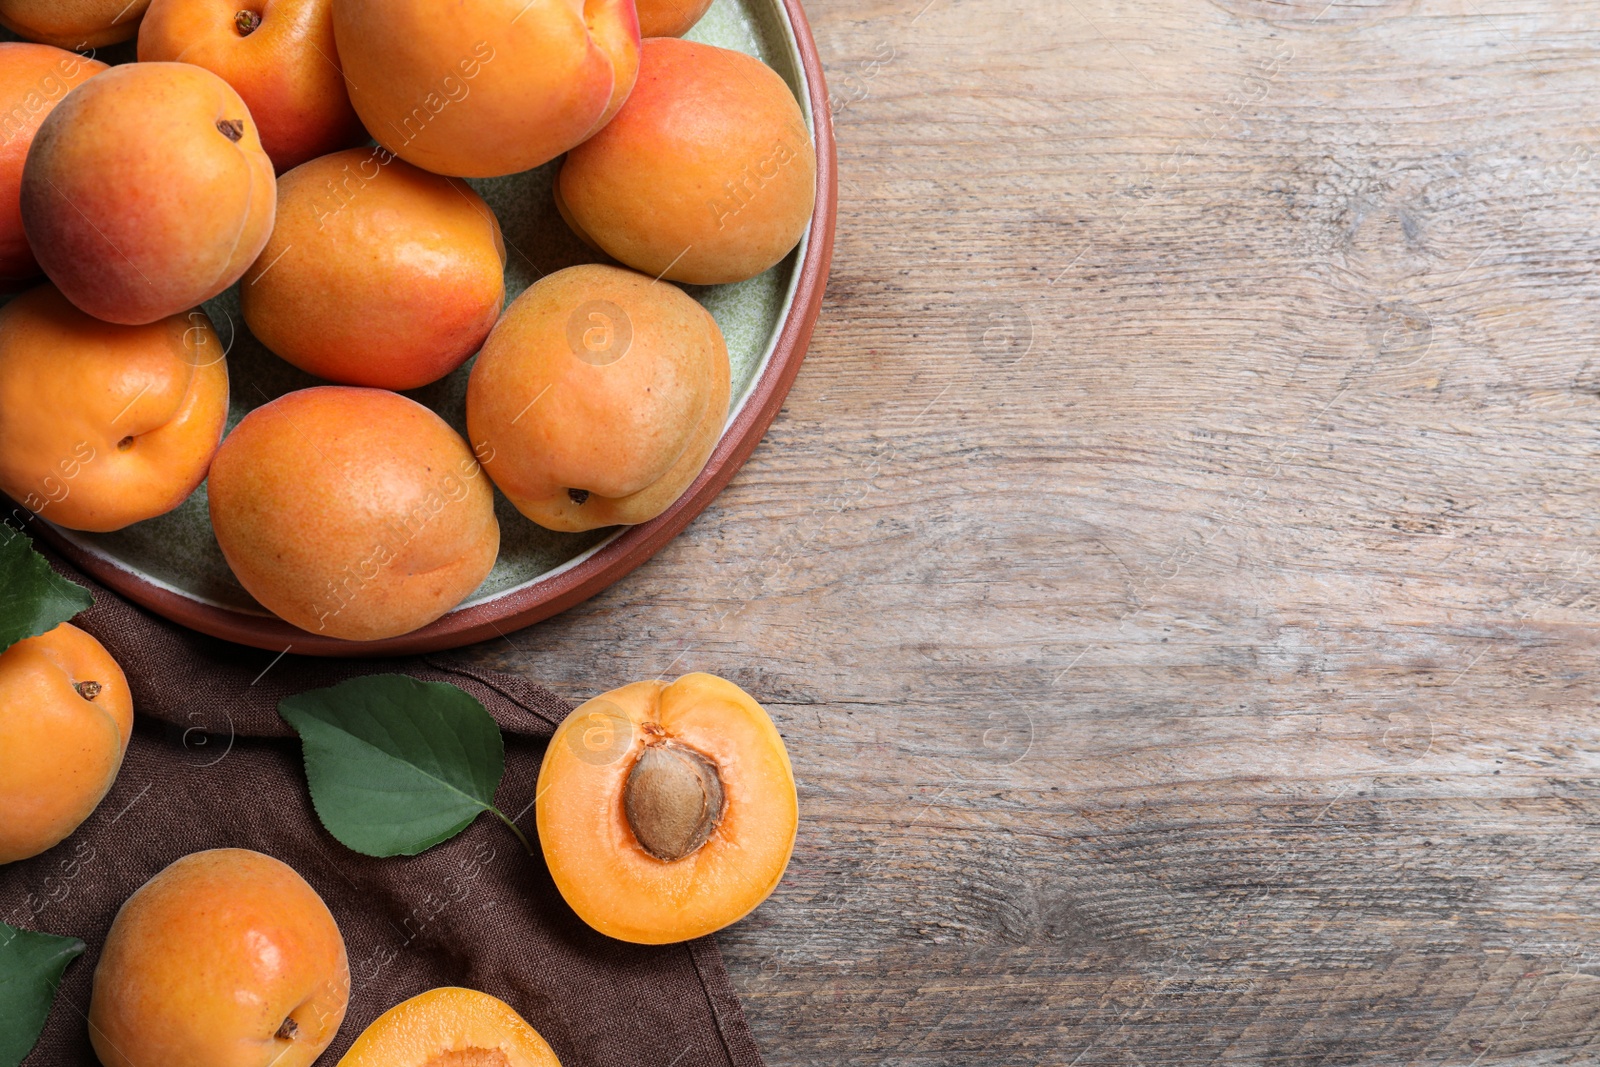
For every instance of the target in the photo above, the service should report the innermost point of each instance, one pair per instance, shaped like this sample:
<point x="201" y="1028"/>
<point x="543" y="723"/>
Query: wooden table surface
<point x="1174" y="569"/>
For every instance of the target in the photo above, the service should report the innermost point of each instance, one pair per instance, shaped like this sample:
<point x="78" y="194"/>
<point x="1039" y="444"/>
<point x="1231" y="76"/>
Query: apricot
<point x="667" y="811"/>
<point x="75" y="24"/>
<point x="146" y="191"/>
<point x="490" y="87"/>
<point x="669" y="18"/>
<point x="706" y="175"/>
<point x="33" y="80"/>
<point x="104" y="425"/>
<point x="279" y="56"/>
<point x="450" y="1027"/>
<point x="351" y="512"/>
<point x="65" y="718"/>
<point x="227" y="958"/>
<point x="598" y="397"/>
<point x="377" y="273"/>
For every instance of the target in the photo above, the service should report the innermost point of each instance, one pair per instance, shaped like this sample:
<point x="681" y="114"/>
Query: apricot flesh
<point x="104" y="425"/>
<point x="706" y="175"/>
<point x="279" y="55"/>
<point x="450" y="1027"/>
<point x="65" y="719"/>
<point x="377" y="272"/>
<point x="598" y="397"/>
<point x="590" y="821"/>
<point x="355" y="513"/>
<point x="75" y="24"/>
<point x="669" y="18"/>
<point x="227" y="958"/>
<point x="146" y="192"/>
<point x="33" y="80"/>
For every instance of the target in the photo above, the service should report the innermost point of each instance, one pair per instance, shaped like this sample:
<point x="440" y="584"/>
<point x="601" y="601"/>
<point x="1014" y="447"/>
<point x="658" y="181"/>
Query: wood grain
<point x="1174" y="569"/>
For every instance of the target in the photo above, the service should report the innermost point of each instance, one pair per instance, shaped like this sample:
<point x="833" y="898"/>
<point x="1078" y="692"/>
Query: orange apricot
<point x="146" y="191"/>
<point x="279" y="55"/>
<point x="488" y="87"/>
<point x="355" y="513"/>
<point x="65" y="719"/>
<point x="75" y="24"/>
<point x="669" y="18"/>
<point x="33" y="80"/>
<point x="226" y="958"/>
<point x="450" y="1027"/>
<point x="377" y="273"/>
<point x="706" y="175"/>
<point x="104" y="425"/>
<point x="598" y="397"/>
<point x="667" y="811"/>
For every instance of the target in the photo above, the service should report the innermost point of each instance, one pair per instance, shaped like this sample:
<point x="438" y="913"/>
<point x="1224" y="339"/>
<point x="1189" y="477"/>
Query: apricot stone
<point x="33" y="80"/>
<point x="227" y="958"/>
<point x="706" y="175"/>
<point x="279" y="55"/>
<point x="65" y="718"/>
<point x="494" y="86"/>
<point x="103" y="425"/>
<point x="450" y="1027"/>
<point x="355" y="513"/>
<point x="75" y="24"/>
<point x="146" y="192"/>
<point x="667" y="811"/>
<point x="669" y="18"/>
<point x="377" y="273"/>
<point x="598" y="397"/>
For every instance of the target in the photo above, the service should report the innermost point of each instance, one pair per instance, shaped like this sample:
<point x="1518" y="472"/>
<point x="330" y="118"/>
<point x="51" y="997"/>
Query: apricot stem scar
<point x="246" y="22"/>
<point x="125" y="444"/>
<point x="232" y="129"/>
<point x="289" y="1031"/>
<point x="579" y="496"/>
<point x="88" y="690"/>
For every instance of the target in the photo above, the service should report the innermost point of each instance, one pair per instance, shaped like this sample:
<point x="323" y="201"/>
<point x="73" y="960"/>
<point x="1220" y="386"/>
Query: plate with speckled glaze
<point x="172" y="564"/>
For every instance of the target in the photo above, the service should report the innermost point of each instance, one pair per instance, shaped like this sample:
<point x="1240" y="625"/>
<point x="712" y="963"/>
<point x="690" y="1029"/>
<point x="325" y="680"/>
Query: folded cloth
<point x="211" y="765"/>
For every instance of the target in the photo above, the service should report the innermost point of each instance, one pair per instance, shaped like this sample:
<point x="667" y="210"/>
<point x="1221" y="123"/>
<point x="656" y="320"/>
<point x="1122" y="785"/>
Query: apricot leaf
<point x="31" y="966"/>
<point x="34" y="599"/>
<point x="396" y="765"/>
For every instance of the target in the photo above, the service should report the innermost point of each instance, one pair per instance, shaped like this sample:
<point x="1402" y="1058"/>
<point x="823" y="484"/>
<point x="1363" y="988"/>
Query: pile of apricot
<point x="312" y="152"/>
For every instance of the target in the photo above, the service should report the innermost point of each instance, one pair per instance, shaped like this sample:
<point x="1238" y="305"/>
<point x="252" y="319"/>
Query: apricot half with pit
<point x="450" y="1027"/>
<point x="227" y="958"/>
<point x="65" y="718"/>
<point x="667" y="811"/>
<point x="598" y="398"/>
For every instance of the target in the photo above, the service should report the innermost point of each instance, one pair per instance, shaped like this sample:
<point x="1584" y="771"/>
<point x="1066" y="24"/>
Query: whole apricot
<point x="355" y="513"/>
<point x="667" y="811"/>
<point x="75" y="24"/>
<point x="104" y="425"/>
<point x="377" y="273"/>
<point x="146" y="192"/>
<point x="65" y="718"/>
<point x="33" y="80"/>
<point x="491" y="87"/>
<point x="279" y="56"/>
<point x="450" y="1027"/>
<point x="706" y="175"/>
<point x="598" y="397"/>
<point x="227" y="958"/>
<point x="669" y="18"/>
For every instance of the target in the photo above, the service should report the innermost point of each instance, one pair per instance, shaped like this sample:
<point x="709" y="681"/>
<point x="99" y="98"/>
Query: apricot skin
<point x="623" y="412"/>
<point x="137" y="202"/>
<point x="497" y="87"/>
<point x="669" y="18"/>
<point x="33" y="80"/>
<point x="377" y="273"/>
<point x="603" y="872"/>
<point x="103" y="425"/>
<point x="355" y="513"/>
<point x="206" y="960"/>
<point x="59" y="749"/>
<point x="75" y="24"/>
<point x="286" y="69"/>
<point x="707" y="174"/>
<point x="450" y="1027"/>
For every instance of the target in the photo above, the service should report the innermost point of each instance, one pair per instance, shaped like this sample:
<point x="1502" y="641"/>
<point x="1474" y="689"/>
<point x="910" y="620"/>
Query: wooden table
<point x="1174" y="570"/>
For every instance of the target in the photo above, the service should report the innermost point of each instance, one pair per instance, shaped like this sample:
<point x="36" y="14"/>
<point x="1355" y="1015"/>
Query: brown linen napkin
<point x="212" y="766"/>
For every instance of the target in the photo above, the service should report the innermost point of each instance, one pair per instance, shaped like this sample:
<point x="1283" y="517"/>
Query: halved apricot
<point x="450" y="1027"/>
<point x="667" y="811"/>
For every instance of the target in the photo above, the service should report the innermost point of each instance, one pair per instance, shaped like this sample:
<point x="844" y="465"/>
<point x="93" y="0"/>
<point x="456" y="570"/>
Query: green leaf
<point x="396" y="765"/>
<point x="33" y="598"/>
<point x="31" y="966"/>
